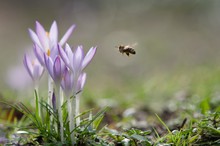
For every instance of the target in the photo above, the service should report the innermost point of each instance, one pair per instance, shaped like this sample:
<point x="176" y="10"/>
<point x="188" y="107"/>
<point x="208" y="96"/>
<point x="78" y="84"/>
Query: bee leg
<point x="127" y="53"/>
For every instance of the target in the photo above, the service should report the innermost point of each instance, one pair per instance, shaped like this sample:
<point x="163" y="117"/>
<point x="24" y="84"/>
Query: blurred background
<point x="173" y="39"/>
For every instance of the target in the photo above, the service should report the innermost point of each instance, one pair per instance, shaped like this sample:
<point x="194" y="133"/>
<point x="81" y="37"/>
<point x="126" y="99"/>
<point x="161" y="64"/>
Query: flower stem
<point x="77" y="109"/>
<point x="71" y="118"/>
<point x="38" y="106"/>
<point x="60" y="115"/>
<point x="61" y="96"/>
<point x="49" y="98"/>
<point x="50" y="90"/>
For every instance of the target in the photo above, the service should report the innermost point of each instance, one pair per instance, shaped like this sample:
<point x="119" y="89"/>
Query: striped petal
<point x="34" y="37"/>
<point x="42" y="35"/>
<point x="88" y="57"/>
<point x="39" y="54"/>
<point x="77" y="59"/>
<point x="53" y="34"/>
<point x="49" y="65"/>
<point x="67" y="82"/>
<point x="81" y="82"/>
<point x="57" y="70"/>
<point x="64" y="56"/>
<point x="28" y="66"/>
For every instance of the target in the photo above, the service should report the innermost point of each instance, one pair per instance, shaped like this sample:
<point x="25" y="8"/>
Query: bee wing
<point x="134" y="44"/>
<point x="131" y="45"/>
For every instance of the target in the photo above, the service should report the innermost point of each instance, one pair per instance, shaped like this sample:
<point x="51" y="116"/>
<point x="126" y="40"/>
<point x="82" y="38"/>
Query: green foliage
<point x="204" y="131"/>
<point x="45" y="130"/>
<point x="131" y="137"/>
<point x="205" y="105"/>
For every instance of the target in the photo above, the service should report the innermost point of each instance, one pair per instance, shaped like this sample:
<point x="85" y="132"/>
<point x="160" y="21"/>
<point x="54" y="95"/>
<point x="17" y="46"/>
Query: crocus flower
<point x="68" y="82"/>
<point x="33" y="67"/>
<point x="76" y="60"/>
<point x="46" y="42"/>
<point x="55" y="68"/>
<point x="74" y="79"/>
<point x="81" y="82"/>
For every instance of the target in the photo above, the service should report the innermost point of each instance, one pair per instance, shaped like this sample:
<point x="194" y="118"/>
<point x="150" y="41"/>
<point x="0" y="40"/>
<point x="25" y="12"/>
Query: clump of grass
<point x="202" y="130"/>
<point x="42" y="131"/>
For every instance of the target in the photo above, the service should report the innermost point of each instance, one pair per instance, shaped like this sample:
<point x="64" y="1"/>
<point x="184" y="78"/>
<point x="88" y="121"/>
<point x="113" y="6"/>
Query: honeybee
<point x="128" y="49"/>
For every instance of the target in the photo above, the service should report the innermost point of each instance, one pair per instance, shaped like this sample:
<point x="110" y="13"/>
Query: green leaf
<point x="112" y="131"/>
<point x="100" y="113"/>
<point x="140" y="138"/>
<point x="163" y="124"/>
<point x="213" y="130"/>
<point x="97" y="122"/>
<point x="204" y="105"/>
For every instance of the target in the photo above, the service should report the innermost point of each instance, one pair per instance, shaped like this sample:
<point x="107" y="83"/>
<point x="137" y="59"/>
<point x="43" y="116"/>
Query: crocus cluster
<point x="65" y="68"/>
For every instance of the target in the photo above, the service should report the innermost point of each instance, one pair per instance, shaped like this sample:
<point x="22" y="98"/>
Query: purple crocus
<point x="76" y="60"/>
<point x="81" y="82"/>
<point x="33" y="67"/>
<point x="46" y="42"/>
<point x="74" y="78"/>
<point x="55" y="68"/>
<point x="68" y="83"/>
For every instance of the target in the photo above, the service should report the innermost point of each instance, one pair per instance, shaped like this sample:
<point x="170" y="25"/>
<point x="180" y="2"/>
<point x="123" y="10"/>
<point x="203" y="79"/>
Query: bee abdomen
<point x="132" y="51"/>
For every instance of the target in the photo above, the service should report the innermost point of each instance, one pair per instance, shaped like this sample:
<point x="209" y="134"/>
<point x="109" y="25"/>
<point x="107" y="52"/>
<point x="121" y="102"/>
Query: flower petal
<point x="66" y="35"/>
<point x="77" y="59"/>
<point x="46" y="60"/>
<point x="49" y="65"/>
<point x="67" y="82"/>
<point x="53" y="34"/>
<point x="41" y="70"/>
<point x="70" y="54"/>
<point x="34" y="37"/>
<point x="68" y="51"/>
<point x="88" y="57"/>
<point x="37" y="72"/>
<point x="54" y="52"/>
<point x="57" y="69"/>
<point x="64" y="56"/>
<point x="42" y="35"/>
<point x="28" y="66"/>
<point x="39" y="54"/>
<point x="81" y="82"/>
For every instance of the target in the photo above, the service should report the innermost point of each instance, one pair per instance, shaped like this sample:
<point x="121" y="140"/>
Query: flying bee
<point x="126" y="49"/>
